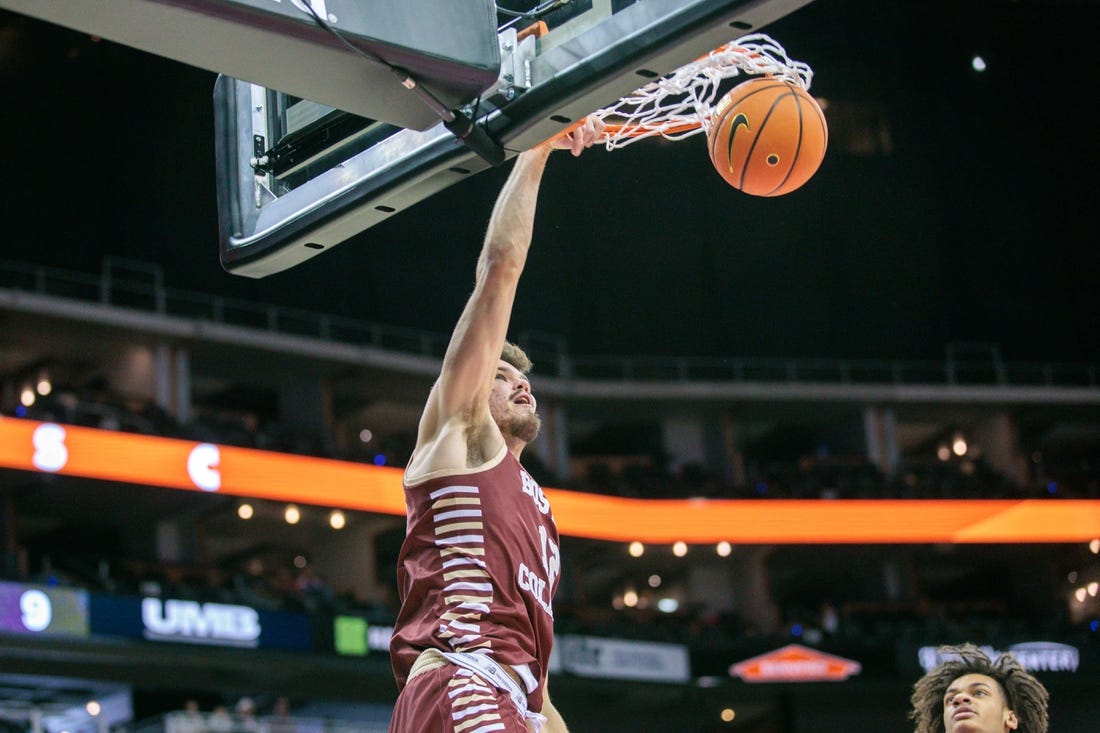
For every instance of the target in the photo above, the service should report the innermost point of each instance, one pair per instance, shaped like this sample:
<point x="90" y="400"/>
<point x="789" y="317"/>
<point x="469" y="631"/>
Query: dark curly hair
<point x="1024" y="694"/>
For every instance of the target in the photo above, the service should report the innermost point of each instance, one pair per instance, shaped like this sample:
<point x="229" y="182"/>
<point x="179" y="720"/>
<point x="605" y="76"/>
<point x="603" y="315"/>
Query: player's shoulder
<point x="456" y="446"/>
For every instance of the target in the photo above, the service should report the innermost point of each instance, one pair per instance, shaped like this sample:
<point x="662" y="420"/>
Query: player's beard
<point x="522" y="425"/>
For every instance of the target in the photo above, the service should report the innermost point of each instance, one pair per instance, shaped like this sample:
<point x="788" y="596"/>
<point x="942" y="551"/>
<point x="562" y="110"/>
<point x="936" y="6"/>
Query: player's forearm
<point x="512" y="222"/>
<point x="554" y="722"/>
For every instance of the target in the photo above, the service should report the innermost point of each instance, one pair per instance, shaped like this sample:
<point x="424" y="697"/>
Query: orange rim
<point x="628" y="130"/>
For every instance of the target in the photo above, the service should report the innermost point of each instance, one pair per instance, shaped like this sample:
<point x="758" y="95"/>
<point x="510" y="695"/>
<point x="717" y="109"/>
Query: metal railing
<point x="139" y="286"/>
<point x="833" y="371"/>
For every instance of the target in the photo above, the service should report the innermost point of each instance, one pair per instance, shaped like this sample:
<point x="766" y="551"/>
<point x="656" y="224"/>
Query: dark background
<point x="952" y="206"/>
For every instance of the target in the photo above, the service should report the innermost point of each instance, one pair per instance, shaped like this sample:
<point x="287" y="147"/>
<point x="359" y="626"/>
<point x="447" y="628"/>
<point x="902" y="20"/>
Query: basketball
<point x="767" y="137"/>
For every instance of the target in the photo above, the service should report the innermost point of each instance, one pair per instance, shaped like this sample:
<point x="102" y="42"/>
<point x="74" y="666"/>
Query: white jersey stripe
<point x="487" y="729"/>
<point x="456" y="513"/>
<point x="459" y="539"/>
<point x="465" y="585"/>
<point x="464" y="561"/>
<point x="483" y="718"/>
<point x="448" y="490"/>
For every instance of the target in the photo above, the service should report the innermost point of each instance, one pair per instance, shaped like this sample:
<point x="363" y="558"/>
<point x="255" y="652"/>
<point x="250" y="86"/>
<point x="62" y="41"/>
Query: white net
<point x="681" y="104"/>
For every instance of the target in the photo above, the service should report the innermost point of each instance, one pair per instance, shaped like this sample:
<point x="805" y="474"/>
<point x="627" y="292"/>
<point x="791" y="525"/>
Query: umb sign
<point x="795" y="663"/>
<point x="200" y="623"/>
<point x="184" y="621"/>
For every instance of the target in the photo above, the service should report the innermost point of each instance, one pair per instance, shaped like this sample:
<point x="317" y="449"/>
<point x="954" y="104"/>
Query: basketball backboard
<point x="276" y="217"/>
<point x="332" y="116"/>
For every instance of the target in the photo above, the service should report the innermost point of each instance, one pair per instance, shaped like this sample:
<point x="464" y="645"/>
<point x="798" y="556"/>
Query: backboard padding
<point x="278" y="45"/>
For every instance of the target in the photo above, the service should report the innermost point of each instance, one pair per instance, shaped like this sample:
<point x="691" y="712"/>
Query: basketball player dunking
<point x="480" y="563"/>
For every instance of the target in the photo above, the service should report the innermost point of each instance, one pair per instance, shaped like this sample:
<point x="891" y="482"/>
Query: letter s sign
<point x="50" y="452"/>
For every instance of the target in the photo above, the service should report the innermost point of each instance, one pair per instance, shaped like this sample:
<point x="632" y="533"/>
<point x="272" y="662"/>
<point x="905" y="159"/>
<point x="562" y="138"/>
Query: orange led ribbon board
<point x="179" y="464"/>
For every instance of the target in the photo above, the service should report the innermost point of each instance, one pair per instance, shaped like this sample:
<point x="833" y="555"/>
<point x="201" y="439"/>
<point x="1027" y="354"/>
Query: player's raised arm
<point x="459" y="397"/>
<point x="475" y="346"/>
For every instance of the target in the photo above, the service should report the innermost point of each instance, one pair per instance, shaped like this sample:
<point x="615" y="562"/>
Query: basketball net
<point x="681" y="104"/>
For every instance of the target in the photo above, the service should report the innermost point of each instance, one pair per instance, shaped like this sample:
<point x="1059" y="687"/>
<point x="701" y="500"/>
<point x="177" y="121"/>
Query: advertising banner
<point x="40" y="609"/>
<point x="588" y="656"/>
<point x="192" y="622"/>
<point x="1035" y="656"/>
<point x="796" y="663"/>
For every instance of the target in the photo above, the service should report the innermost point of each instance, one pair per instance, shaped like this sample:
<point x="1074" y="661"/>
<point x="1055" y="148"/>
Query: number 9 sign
<point x="36" y="609"/>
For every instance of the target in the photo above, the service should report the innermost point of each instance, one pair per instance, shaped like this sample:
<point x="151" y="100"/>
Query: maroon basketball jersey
<point x="478" y="569"/>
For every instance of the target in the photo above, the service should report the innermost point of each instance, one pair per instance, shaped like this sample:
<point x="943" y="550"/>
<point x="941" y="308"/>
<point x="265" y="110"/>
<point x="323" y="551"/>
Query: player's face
<point x="975" y="703"/>
<point x="512" y="405"/>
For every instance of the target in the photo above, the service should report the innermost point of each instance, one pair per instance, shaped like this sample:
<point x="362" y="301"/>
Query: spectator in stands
<point x="280" y="721"/>
<point x="970" y="692"/>
<point x="313" y="591"/>
<point x="246" y="716"/>
<point x="252" y="586"/>
<point x="480" y="561"/>
<point x="220" y="721"/>
<point x="830" y="619"/>
<point x="188" y="720"/>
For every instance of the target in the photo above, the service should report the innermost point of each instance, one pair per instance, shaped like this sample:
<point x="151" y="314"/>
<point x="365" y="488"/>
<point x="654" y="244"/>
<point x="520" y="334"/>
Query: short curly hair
<point x="1024" y="694"/>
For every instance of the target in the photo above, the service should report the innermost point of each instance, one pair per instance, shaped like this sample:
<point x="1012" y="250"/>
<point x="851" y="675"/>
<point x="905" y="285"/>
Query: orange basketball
<point x="767" y="137"/>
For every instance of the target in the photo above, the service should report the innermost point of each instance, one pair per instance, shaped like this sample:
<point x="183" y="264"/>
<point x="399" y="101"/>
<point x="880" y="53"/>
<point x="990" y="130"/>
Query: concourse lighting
<point x="245" y="511"/>
<point x="723" y="549"/>
<point x="636" y="549"/>
<point x="680" y="549"/>
<point x="337" y="520"/>
<point x="292" y="514"/>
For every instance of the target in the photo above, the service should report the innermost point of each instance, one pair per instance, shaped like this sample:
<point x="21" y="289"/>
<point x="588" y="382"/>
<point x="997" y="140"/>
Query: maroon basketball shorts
<point x="450" y="699"/>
